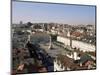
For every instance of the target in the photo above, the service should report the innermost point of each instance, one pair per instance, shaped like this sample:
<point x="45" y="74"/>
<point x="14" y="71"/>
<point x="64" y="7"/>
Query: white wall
<point x="78" y="44"/>
<point x="83" y="46"/>
<point x="58" y="67"/>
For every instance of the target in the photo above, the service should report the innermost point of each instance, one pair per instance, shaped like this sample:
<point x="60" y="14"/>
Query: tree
<point x="29" y="24"/>
<point x="37" y="26"/>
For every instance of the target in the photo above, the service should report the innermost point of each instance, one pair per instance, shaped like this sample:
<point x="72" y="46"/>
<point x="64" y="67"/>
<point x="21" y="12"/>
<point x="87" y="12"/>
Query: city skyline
<point x="57" y="13"/>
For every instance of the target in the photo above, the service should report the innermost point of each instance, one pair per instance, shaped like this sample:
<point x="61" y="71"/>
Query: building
<point x="76" y="44"/>
<point x="64" y="63"/>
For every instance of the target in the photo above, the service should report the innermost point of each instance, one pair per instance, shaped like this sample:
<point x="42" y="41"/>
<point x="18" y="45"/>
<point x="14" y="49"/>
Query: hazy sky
<point x="58" y="13"/>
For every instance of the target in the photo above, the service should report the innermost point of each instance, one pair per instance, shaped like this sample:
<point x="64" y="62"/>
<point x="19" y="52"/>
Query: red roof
<point x="77" y="34"/>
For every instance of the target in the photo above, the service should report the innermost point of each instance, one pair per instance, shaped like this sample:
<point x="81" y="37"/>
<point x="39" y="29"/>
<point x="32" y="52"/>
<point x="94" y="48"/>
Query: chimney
<point x="75" y="55"/>
<point x="80" y="64"/>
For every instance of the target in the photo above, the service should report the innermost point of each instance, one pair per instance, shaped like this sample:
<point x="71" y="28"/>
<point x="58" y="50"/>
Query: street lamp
<point x="50" y="43"/>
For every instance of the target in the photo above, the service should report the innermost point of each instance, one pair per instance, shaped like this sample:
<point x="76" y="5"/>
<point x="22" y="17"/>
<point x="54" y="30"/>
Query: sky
<point x="57" y="13"/>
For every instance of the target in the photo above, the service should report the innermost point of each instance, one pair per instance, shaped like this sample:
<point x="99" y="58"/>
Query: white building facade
<point x="77" y="44"/>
